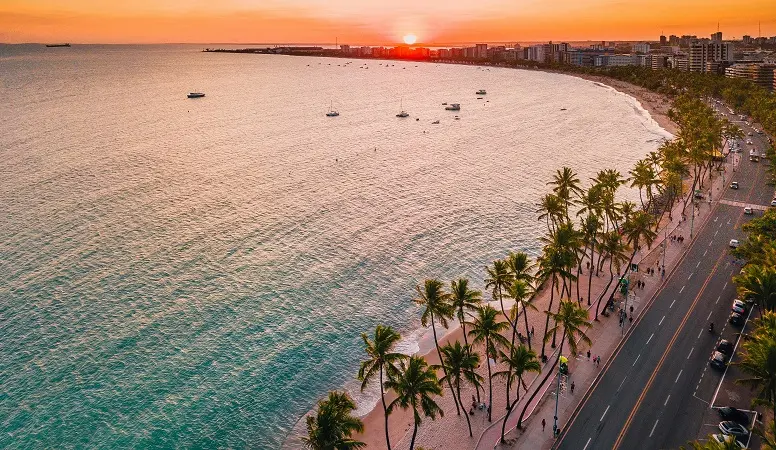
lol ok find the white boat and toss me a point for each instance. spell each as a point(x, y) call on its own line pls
point(453, 107)
point(332, 112)
point(481, 92)
point(403, 113)
point(195, 95)
point(436, 122)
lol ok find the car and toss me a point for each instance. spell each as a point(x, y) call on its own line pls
point(698, 194)
point(748, 210)
point(773, 202)
point(749, 141)
point(725, 347)
point(750, 133)
point(736, 320)
point(734, 185)
point(738, 302)
point(718, 360)
point(732, 428)
point(736, 415)
point(724, 438)
point(763, 155)
point(734, 243)
point(738, 309)
point(759, 131)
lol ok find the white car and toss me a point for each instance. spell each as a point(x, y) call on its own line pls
point(734, 243)
point(749, 141)
point(722, 439)
point(773, 202)
point(748, 211)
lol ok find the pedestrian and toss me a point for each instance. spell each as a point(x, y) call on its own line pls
point(572, 387)
point(663, 274)
point(532, 331)
point(588, 355)
point(599, 360)
point(595, 358)
point(544, 422)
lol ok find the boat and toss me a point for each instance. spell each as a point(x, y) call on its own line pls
point(57, 45)
point(479, 98)
point(332, 112)
point(195, 95)
point(436, 122)
point(403, 113)
point(445, 103)
point(563, 109)
point(453, 107)
point(481, 92)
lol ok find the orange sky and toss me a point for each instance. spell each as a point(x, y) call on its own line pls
point(375, 21)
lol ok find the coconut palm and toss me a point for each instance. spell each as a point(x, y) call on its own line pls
point(711, 444)
point(331, 427)
point(415, 386)
point(759, 363)
point(768, 436)
point(499, 278)
point(616, 253)
point(464, 300)
point(460, 363)
point(486, 329)
point(591, 225)
point(520, 266)
point(382, 361)
point(519, 361)
point(437, 307)
point(551, 209)
point(759, 284)
point(565, 184)
point(522, 293)
point(570, 318)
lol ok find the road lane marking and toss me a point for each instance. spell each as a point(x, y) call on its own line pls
point(604, 415)
point(680, 291)
point(711, 242)
point(717, 301)
point(661, 321)
point(653, 428)
point(666, 402)
point(672, 303)
point(699, 334)
point(723, 287)
point(623, 382)
point(637, 358)
point(688, 355)
point(650, 338)
point(715, 233)
point(690, 275)
point(698, 265)
point(706, 251)
point(588, 443)
point(678, 375)
point(709, 316)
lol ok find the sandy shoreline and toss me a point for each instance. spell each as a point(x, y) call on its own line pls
point(400, 421)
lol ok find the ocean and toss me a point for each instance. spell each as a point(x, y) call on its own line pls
point(196, 273)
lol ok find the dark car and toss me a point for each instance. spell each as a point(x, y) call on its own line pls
point(718, 360)
point(737, 320)
point(724, 346)
point(730, 413)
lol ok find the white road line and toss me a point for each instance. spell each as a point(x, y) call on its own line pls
point(650, 338)
point(637, 358)
point(689, 277)
point(588, 443)
point(607, 410)
point(711, 242)
point(623, 382)
point(661, 321)
point(723, 287)
point(715, 233)
point(672, 303)
point(666, 402)
point(677, 376)
point(704, 253)
point(681, 290)
point(688, 355)
point(709, 316)
point(699, 334)
point(698, 265)
point(653, 427)
point(717, 301)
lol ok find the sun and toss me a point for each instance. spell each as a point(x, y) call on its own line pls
point(410, 39)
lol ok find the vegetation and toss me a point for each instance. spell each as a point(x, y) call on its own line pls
point(415, 386)
point(332, 425)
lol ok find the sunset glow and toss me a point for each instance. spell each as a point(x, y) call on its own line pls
point(375, 22)
point(410, 39)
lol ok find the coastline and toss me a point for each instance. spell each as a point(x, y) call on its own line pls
point(657, 106)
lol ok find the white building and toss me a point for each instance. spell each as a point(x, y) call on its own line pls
point(706, 51)
point(641, 47)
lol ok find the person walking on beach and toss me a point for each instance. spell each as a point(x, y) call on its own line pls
point(572, 387)
point(588, 355)
point(544, 423)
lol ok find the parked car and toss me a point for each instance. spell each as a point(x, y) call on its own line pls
point(749, 141)
point(718, 360)
point(737, 320)
point(743, 305)
point(734, 243)
point(749, 134)
point(773, 202)
point(725, 347)
point(736, 415)
point(748, 211)
point(738, 309)
point(724, 438)
point(763, 155)
point(733, 428)
point(734, 185)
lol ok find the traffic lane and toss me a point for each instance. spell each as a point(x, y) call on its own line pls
point(605, 412)
point(679, 375)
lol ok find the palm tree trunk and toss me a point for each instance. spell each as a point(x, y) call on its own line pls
point(441, 363)
point(510, 407)
point(527, 331)
point(590, 275)
point(385, 409)
point(468, 422)
point(414, 433)
point(468, 349)
point(530, 399)
point(490, 378)
point(603, 293)
point(555, 331)
point(547, 322)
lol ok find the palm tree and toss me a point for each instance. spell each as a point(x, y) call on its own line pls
point(437, 307)
point(460, 363)
point(486, 329)
point(520, 266)
point(522, 293)
point(758, 283)
point(499, 278)
point(565, 184)
point(415, 386)
point(381, 361)
point(768, 436)
point(616, 252)
point(570, 318)
point(759, 362)
point(332, 425)
point(552, 265)
point(519, 361)
point(551, 210)
point(590, 227)
point(464, 299)
point(711, 444)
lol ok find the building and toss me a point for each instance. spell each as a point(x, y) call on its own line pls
point(679, 61)
point(673, 40)
point(641, 47)
point(617, 60)
point(481, 51)
point(747, 40)
point(657, 61)
point(759, 73)
point(704, 51)
point(716, 37)
point(663, 41)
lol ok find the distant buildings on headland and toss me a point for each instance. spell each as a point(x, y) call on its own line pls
point(750, 58)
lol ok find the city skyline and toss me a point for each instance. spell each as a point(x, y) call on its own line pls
point(319, 21)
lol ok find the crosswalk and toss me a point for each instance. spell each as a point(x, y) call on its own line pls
point(744, 205)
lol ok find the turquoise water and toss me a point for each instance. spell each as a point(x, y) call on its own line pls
point(183, 273)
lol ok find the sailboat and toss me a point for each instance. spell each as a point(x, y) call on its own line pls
point(403, 113)
point(332, 112)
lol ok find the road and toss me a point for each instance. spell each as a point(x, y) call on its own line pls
point(656, 390)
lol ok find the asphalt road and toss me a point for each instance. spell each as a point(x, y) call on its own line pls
point(656, 391)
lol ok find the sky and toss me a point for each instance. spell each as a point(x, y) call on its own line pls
point(376, 22)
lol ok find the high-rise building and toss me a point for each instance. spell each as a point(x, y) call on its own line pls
point(673, 40)
point(663, 40)
point(704, 51)
point(716, 37)
point(641, 47)
point(746, 39)
point(482, 51)
point(760, 74)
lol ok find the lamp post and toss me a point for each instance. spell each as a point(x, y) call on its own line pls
point(692, 219)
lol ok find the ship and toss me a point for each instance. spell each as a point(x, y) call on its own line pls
point(195, 95)
point(57, 45)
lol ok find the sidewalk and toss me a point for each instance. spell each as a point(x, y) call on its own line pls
point(606, 335)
